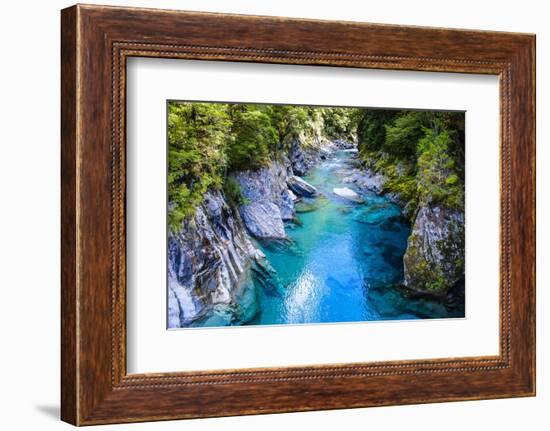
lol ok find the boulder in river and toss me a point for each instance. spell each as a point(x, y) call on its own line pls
point(345, 144)
point(347, 193)
point(301, 187)
point(286, 205)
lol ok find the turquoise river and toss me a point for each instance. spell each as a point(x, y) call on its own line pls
point(345, 260)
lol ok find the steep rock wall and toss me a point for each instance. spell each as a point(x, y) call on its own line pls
point(268, 200)
point(209, 265)
point(434, 260)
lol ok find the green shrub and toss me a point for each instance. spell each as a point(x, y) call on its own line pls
point(233, 194)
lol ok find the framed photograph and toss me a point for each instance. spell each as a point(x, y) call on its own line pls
point(265, 214)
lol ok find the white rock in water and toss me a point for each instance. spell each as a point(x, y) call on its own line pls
point(344, 192)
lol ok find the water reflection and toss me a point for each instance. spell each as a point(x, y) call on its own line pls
point(302, 300)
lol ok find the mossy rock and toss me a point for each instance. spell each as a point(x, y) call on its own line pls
point(434, 260)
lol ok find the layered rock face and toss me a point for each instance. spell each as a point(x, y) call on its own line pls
point(303, 157)
point(270, 194)
point(434, 260)
point(209, 264)
point(263, 220)
point(268, 201)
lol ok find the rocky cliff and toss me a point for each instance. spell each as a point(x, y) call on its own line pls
point(270, 194)
point(434, 260)
point(303, 158)
point(212, 267)
point(304, 153)
point(268, 200)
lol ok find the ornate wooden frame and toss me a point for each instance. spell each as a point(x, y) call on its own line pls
point(95, 43)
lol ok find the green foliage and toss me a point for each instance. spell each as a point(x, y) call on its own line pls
point(254, 138)
point(340, 122)
point(451, 180)
point(437, 180)
point(197, 140)
point(403, 133)
point(289, 120)
point(371, 129)
point(232, 192)
point(208, 140)
point(295, 122)
point(420, 153)
point(403, 185)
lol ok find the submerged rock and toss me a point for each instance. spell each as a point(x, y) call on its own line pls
point(308, 205)
point(377, 213)
point(347, 193)
point(266, 277)
point(434, 260)
point(301, 187)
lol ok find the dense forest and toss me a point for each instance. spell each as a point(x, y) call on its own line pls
point(421, 153)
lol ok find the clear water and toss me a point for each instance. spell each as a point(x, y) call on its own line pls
point(345, 260)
